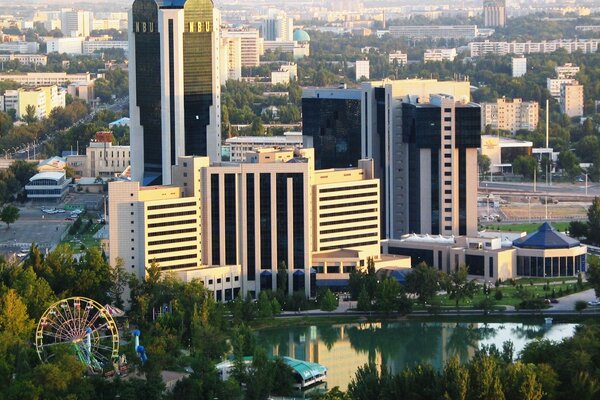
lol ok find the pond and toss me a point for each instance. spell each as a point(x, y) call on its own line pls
point(342, 348)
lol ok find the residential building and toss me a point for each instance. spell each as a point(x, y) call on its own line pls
point(554, 85)
point(479, 49)
point(494, 13)
point(298, 49)
point(519, 66)
point(45, 78)
point(43, 98)
point(174, 85)
point(398, 57)
point(251, 44)
point(241, 146)
point(207, 224)
point(48, 186)
point(438, 55)
point(19, 47)
point(510, 115)
point(434, 31)
point(25, 59)
point(92, 46)
point(362, 70)
point(10, 100)
point(571, 99)
point(231, 59)
point(67, 45)
point(502, 151)
point(82, 90)
point(566, 71)
point(103, 159)
point(75, 23)
point(285, 74)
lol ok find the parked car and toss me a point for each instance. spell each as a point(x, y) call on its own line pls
point(594, 303)
point(69, 219)
point(554, 301)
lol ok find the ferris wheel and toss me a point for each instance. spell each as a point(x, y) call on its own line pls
point(84, 326)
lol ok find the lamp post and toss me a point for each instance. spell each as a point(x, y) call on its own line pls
point(529, 208)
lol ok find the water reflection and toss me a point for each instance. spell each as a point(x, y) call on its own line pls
point(342, 348)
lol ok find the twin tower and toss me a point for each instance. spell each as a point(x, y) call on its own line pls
point(174, 89)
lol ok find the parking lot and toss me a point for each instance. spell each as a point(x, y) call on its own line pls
point(44, 229)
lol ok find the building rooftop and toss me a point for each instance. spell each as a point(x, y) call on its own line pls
point(546, 237)
point(47, 175)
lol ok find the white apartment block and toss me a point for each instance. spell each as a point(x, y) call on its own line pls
point(231, 59)
point(554, 85)
point(241, 146)
point(398, 57)
point(519, 66)
point(25, 59)
point(510, 115)
point(68, 45)
point(10, 100)
point(571, 99)
point(103, 159)
point(566, 71)
point(91, 46)
point(251, 45)
point(285, 74)
point(46, 78)
point(438, 55)
point(362, 69)
point(19, 47)
point(75, 23)
point(435, 31)
point(479, 49)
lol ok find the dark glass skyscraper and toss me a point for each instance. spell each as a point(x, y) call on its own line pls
point(174, 85)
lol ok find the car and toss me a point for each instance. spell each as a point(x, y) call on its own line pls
point(74, 216)
point(59, 210)
point(594, 303)
point(22, 254)
point(76, 211)
point(554, 301)
point(69, 219)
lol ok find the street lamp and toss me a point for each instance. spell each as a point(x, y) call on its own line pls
point(529, 208)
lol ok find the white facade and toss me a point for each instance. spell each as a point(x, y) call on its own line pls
point(438, 55)
point(240, 146)
point(104, 159)
point(91, 46)
point(554, 85)
point(566, 71)
point(398, 57)
point(68, 45)
point(479, 49)
point(435, 31)
point(278, 27)
point(510, 115)
point(45, 78)
point(19, 47)
point(25, 59)
point(519, 66)
point(362, 69)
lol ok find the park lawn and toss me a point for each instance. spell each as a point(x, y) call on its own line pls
point(509, 295)
point(84, 237)
point(559, 226)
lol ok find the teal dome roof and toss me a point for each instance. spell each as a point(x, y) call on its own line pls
point(301, 36)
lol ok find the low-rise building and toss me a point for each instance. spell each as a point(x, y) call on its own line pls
point(46, 78)
point(241, 146)
point(285, 74)
point(479, 49)
point(48, 186)
point(82, 90)
point(67, 45)
point(503, 151)
point(25, 59)
point(91, 46)
point(398, 57)
point(543, 253)
point(439, 55)
point(19, 47)
point(566, 71)
point(103, 159)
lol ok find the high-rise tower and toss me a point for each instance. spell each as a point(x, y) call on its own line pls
point(174, 85)
point(494, 13)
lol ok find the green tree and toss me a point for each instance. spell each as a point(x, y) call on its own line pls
point(484, 163)
point(423, 281)
point(593, 215)
point(568, 161)
point(30, 114)
point(524, 165)
point(458, 285)
point(364, 302)
point(257, 128)
point(366, 384)
point(9, 215)
point(387, 295)
point(328, 301)
point(578, 229)
point(265, 309)
point(6, 123)
point(484, 383)
point(593, 273)
point(455, 380)
point(580, 305)
point(119, 279)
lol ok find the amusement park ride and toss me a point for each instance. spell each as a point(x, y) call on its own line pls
point(88, 328)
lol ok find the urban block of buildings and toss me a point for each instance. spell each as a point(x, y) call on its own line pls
point(398, 57)
point(510, 115)
point(43, 99)
point(479, 49)
point(25, 59)
point(237, 148)
point(434, 31)
point(438, 55)
point(571, 99)
point(494, 13)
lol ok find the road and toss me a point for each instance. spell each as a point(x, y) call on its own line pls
point(568, 302)
point(556, 188)
point(31, 150)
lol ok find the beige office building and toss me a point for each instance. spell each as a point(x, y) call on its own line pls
point(251, 45)
point(45, 78)
point(510, 115)
point(273, 212)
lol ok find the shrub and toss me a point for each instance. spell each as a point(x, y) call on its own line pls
point(498, 295)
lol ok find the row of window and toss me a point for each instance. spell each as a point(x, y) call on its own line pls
point(353, 245)
point(163, 206)
point(349, 221)
point(344, 213)
point(349, 196)
point(339, 189)
point(357, 236)
point(178, 240)
point(173, 214)
point(358, 203)
point(175, 258)
point(351, 228)
point(171, 223)
point(172, 250)
point(174, 232)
